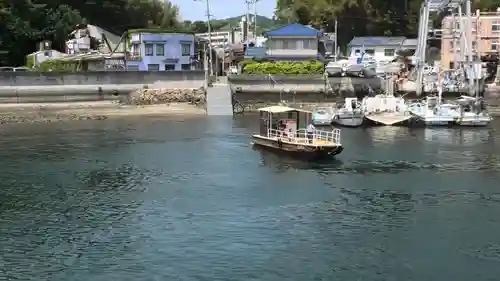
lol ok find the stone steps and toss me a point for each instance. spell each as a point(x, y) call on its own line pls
point(219, 101)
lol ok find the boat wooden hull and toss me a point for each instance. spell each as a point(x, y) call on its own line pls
point(297, 150)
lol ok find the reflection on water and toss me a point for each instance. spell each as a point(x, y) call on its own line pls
point(465, 137)
point(183, 199)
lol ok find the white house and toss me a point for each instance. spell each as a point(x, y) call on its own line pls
point(383, 49)
point(45, 52)
point(224, 38)
point(80, 39)
point(293, 42)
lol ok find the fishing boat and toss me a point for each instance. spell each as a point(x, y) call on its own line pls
point(322, 116)
point(349, 114)
point(336, 68)
point(433, 112)
point(472, 112)
point(361, 66)
point(386, 109)
point(281, 131)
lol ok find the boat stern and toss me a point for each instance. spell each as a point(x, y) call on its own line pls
point(321, 122)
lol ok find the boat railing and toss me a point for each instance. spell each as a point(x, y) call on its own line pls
point(301, 136)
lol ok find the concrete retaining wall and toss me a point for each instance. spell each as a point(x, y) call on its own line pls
point(301, 83)
point(34, 87)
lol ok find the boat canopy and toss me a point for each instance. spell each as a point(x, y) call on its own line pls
point(281, 109)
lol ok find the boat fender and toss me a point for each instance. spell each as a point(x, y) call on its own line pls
point(336, 117)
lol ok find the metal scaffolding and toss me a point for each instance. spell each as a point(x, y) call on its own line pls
point(461, 34)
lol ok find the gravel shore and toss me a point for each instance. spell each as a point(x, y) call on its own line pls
point(143, 102)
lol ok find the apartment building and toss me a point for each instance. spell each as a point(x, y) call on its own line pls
point(485, 34)
point(161, 51)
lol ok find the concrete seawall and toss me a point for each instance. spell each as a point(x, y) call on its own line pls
point(36, 87)
point(301, 84)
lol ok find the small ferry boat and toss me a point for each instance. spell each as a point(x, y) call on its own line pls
point(280, 130)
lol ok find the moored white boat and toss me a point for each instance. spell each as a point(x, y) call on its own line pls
point(386, 109)
point(432, 112)
point(336, 68)
point(322, 116)
point(349, 114)
point(472, 112)
point(361, 66)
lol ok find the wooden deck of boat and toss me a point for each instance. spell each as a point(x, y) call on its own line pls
point(388, 119)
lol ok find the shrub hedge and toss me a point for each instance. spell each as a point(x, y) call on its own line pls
point(282, 67)
point(30, 61)
point(58, 66)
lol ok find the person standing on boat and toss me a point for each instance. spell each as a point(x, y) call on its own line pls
point(310, 132)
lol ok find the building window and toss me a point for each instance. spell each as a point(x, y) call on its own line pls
point(289, 44)
point(494, 45)
point(370, 52)
point(169, 67)
point(307, 44)
point(136, 50)
point(495, 26)
point(474, 45)
point(277, 44)
point(357, 52)
point(186, 49)
point(133, 68)
point(148, 49)
point(160, 50)
point(389, 52)
point(153, 67)
point(270, 44)
point(452, 45)
point(185, 66)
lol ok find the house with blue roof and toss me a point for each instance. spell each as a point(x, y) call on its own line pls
point(382, 49)
point(293, 42)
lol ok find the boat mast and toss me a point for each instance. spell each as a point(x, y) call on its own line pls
point(440, 88)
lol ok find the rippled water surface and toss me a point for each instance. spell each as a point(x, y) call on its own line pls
point(191, 200)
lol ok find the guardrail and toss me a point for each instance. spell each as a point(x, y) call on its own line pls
point(301, 136)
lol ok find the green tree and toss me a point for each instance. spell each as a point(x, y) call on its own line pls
point(23, 23)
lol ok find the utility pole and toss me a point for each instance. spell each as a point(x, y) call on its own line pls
point(248, 2)
point(335, 46)
point(255, 18)
point(209, 37)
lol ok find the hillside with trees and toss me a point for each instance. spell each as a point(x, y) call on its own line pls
point(361, 17)
point(23, 23)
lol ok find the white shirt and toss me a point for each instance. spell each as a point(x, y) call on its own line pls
point(310, 128)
